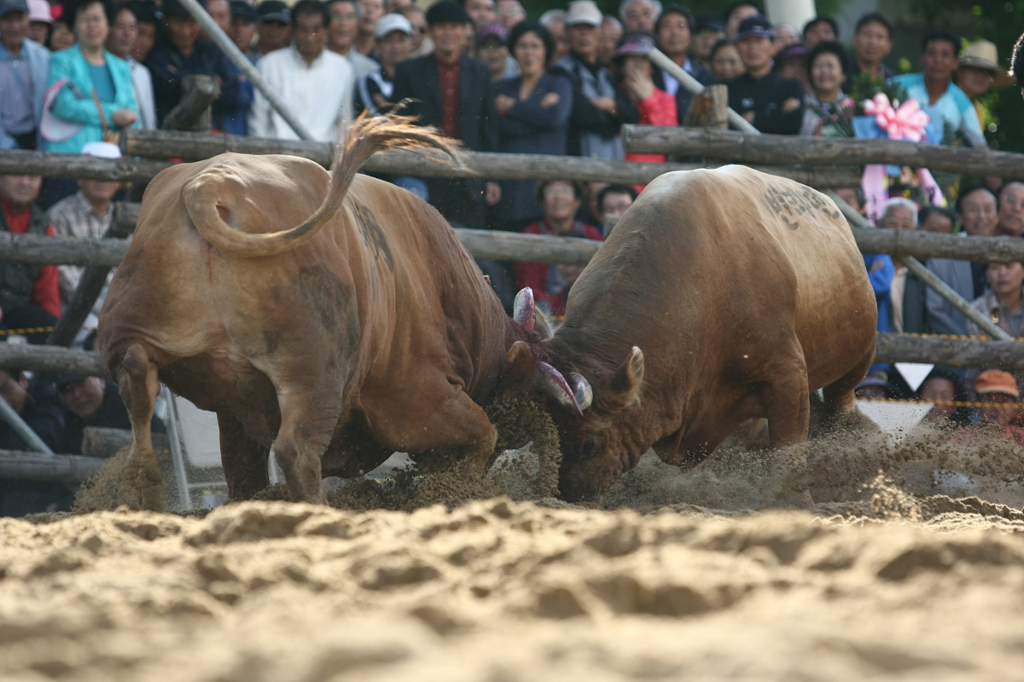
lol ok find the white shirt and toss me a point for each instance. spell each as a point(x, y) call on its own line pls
point(142, 84)
point(320, 95)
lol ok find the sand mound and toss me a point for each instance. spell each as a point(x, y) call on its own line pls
point(507, 591)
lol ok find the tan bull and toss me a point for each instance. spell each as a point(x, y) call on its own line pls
point(363, 330)
point(720, 296)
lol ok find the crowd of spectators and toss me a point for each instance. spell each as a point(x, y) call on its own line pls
point(486, 74)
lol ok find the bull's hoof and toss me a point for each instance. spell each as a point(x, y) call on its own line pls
point(142, 488)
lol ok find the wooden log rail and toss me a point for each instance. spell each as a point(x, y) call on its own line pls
point(949, 352)
point(519, 247)
point(34, 466)
point(163, 144)
point(820, 151)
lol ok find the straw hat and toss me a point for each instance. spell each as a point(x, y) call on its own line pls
point(982, 54)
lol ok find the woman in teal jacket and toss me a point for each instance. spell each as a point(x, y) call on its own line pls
point(90, 69)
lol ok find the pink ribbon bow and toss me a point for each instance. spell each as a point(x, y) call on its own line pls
point(899, 121)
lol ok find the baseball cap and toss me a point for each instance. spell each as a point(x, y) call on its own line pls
point(492, 31)
point(583, 12)
point(709, 22)
point(755, 26)
point(102, 150)
point(7, 6)
point(389, 23)
point(240, 8)
point(63, 380)
point(996, 381)
point(790, 52)
point(39, 10)
point(447, 13)
point(634, 44)
point(273, 10)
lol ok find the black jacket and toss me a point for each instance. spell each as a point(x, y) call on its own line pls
point(684, 96)
point(459, 200)
point(764, 96)
point(586, 118)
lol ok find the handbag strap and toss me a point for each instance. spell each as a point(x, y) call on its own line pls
point(103, 117)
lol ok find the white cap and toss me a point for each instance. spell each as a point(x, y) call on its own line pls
point(102, 150)
point(390, 23)
point(583, 12)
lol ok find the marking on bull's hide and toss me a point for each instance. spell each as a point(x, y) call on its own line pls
point(373, 235)
point(333, 303)
point(790, 205)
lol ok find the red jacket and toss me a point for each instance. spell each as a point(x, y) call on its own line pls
point(657, 110)
point(535, 275)
point(44, 293)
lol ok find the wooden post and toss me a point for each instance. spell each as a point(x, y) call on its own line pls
point(709, 109)
point(33, 466)
point(193, 111)
point(820, 151)
point(51, 360)
point(78, 167)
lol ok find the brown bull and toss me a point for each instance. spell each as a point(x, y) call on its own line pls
point(744, 291)
point(363, 330)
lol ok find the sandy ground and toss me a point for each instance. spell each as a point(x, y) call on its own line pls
point(696, 575)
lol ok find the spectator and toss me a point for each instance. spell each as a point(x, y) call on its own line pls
point(40, 22)
point(638, 16)
point(341, 33)
point(560, 200)
point(453, 93)
point(786, 35)
point(37, 404)
point(119, 42)
point(656, 106)
point(492, 49)
point(316, 82)
point(533, 112)
point(725, 61)
point(979, 71)
point(708, 29)
point(599, 108)
point(480, 11)
point(881, 272)
point(791, 63)
point(608, 40)
point(146, 29)
point(907, 294)
point(872, 42)
point(772, 103)
point(180, 52)
point(828, 66)
point(1011, 209)
point(63, 36)
point(736, 13)
point(854, 196)
point(1003, 303)
point(936, 219)
point(945, 385)
point(97, 81)
point(977, 207)
point(274, 26)
point(554, 21)
point(421, 44)
point(23, 78)
point(820, 29)
point(91, 401)
point(243, 28)
point(370, 12)
point(396, 6)
point(998, 391)
point(394, 42)
point(509, 13)
point(934, 87)
point(673, 34)
point(86, 213)
point(612, 202)
point(220, 12)
point(29, 297)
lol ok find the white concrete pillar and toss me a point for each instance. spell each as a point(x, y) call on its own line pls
point(796, 12)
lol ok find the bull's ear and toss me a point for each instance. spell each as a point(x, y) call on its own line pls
point(625, 382)
point(519, 364)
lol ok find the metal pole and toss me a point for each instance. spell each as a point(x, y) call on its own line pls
point(235, 55)
point(929, 278)
point(23, 430)
point(693, 85)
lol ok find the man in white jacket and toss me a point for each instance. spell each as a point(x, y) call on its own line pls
point(315, 82)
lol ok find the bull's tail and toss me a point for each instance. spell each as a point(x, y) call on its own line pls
point(367, 136)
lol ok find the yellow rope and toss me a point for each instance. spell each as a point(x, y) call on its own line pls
point(944, 403)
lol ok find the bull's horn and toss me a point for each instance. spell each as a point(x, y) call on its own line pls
point(549, 380)
point(524, 310)
point(581, 389)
